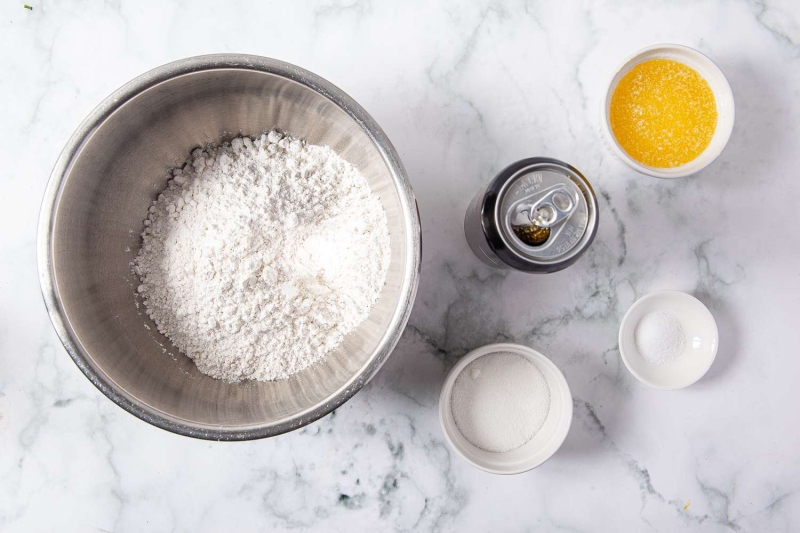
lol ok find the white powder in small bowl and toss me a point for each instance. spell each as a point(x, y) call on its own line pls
point(500, 401)
point(659, 337)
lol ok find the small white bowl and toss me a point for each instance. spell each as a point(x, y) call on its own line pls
point(722, 93)
point(702, 340)
point(534, 452)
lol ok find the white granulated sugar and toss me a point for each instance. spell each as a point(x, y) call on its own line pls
point(260, 256)
point(659, 337)
point(500, 401)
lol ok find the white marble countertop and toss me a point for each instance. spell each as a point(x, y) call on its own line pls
point(461, 91)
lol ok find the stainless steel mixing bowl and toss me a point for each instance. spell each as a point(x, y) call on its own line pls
point(116, 163)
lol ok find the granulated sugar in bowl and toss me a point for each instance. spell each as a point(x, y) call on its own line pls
point(505, 408)
point(500, 401)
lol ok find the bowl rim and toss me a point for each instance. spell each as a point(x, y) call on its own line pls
point(446, 394)
point(625, 325)
point(51, 199)
point(701, 161)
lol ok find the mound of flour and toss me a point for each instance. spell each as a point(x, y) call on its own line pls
point(260, 256)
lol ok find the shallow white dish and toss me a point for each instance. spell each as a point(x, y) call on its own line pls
point(702, 340)
point(722, 94)
point(534, 452)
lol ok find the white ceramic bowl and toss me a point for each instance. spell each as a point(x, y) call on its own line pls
point(722, 93)
point(702, 340)
point(534, 452)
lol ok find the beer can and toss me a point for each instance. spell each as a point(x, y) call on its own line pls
point(537, 215)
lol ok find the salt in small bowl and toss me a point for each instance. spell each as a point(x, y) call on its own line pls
point(700, 349)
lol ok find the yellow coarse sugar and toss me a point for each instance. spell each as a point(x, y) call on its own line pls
point(663, 113)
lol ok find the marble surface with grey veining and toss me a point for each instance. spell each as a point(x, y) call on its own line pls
point(461, 89)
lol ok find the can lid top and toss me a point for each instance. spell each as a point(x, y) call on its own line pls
point(544, 212)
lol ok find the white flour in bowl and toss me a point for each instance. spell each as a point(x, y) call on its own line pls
point(260, 256)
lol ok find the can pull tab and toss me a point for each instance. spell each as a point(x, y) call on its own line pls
point(554, 207)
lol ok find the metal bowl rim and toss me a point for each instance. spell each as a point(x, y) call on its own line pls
point(118, 99)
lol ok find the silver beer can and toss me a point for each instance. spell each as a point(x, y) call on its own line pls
point(537, 215)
